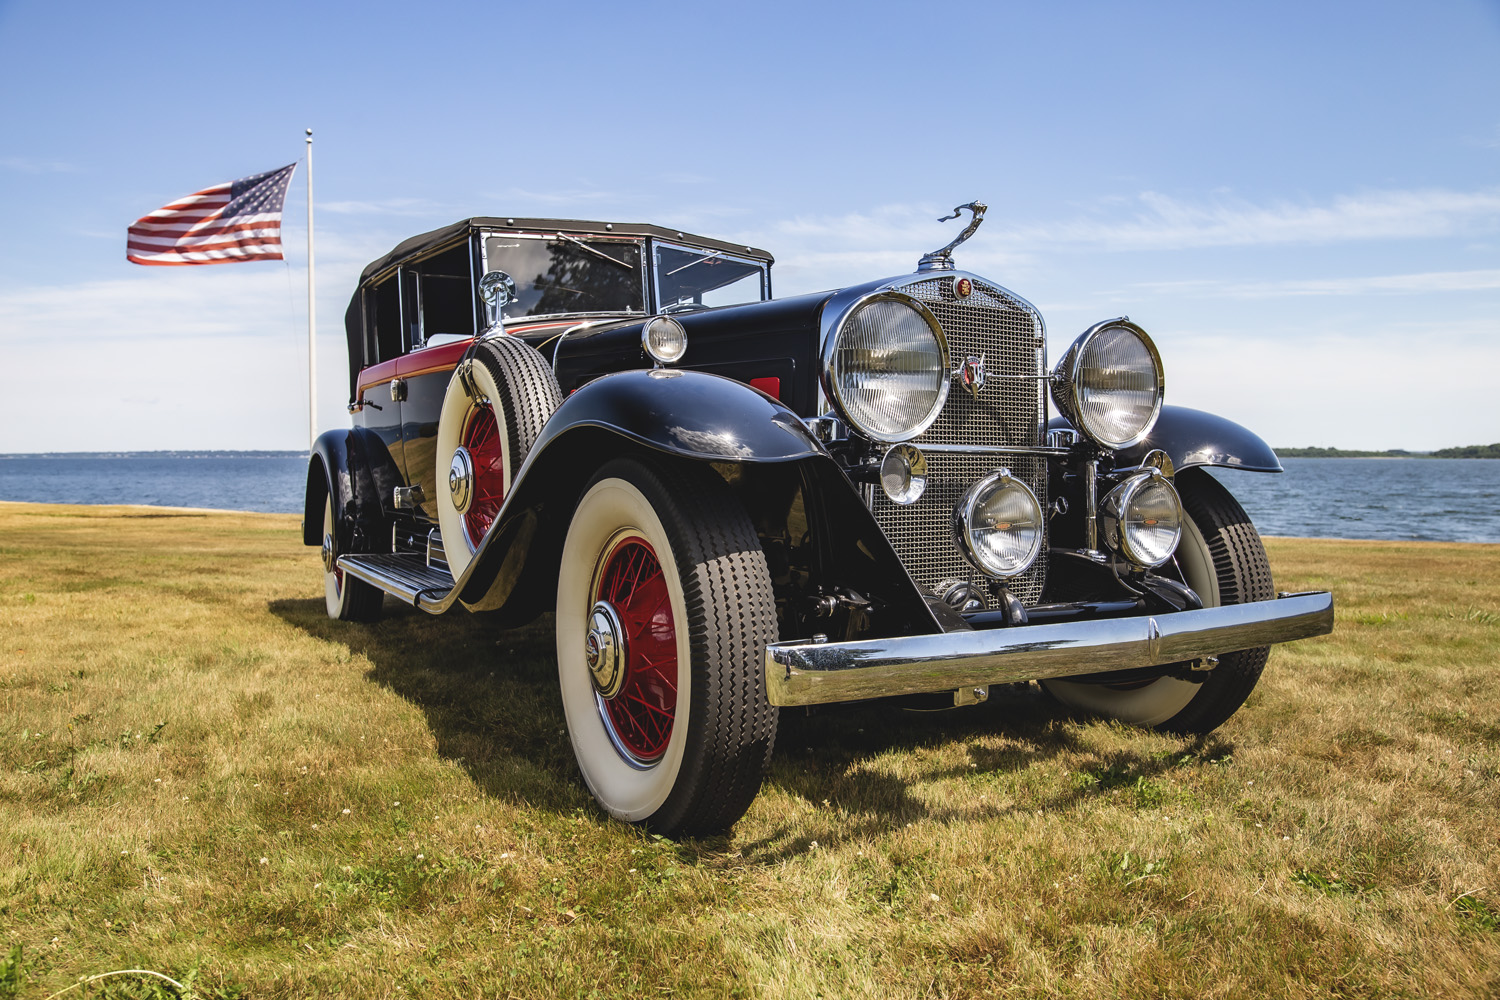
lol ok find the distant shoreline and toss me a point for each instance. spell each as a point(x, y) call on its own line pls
point(1468, 451)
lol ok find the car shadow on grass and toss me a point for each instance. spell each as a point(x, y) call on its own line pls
point(490, 699)
point(489, 694)
point(860, 766)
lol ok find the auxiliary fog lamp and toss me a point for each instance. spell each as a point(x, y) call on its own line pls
point(1142, 519)
point(998, 525)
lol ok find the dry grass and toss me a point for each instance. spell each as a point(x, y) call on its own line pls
point(199, 774)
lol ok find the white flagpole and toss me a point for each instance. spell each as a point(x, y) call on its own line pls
point(312, 313)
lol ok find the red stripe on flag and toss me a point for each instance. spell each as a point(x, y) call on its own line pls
point(193, 229)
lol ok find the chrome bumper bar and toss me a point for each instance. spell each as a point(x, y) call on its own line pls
point(799, 673)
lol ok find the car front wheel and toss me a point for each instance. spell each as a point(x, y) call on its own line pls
point(664, 608)
point(1221, 557)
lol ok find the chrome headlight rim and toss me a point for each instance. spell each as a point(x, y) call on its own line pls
point(963, 515)
point(830, 353)
point(1065, 383)
point(1116, 504)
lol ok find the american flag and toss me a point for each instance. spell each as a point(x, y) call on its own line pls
point(239, 220)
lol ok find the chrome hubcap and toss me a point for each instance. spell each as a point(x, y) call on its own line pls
point(328, 557)
point(604, 649)
point(461, 479)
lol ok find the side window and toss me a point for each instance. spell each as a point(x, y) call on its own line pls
point(382, 322)
point(439, 297)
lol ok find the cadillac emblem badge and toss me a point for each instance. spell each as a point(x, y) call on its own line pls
point(970, 375)
point(962, 287)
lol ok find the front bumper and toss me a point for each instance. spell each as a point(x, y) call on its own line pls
point(799, 673)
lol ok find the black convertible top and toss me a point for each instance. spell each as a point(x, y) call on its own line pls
point(439, 239)
point(416, 246)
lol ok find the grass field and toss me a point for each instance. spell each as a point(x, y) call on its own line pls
point(201, 775)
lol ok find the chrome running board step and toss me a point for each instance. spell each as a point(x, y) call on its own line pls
point(404, 576)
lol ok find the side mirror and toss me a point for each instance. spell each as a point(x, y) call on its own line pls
point(497, 290)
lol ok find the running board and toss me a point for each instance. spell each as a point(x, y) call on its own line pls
point(406, 577)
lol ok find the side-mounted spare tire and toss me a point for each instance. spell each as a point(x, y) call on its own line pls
point(1221, 557)
point(495, 407)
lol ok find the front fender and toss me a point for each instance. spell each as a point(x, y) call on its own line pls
point(694, 415)
point(689, 415)
point(1193, 437)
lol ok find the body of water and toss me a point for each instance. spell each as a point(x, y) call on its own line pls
point(1436, 499)
point(270, 484)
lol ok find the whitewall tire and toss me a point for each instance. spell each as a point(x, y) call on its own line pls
point(664, 607)
point(1221, 557)
point(488, 423)
point(346, 598)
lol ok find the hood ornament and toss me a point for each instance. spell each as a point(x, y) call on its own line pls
point(942, 260)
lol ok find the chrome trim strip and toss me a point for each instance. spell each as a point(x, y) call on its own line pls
point(990, 449)
point(799, 673)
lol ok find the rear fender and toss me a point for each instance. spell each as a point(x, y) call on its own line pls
point(353, 468)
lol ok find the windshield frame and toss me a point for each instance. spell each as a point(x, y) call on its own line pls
point(485, 235)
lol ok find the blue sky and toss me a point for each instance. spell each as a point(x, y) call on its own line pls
point(1301, 201)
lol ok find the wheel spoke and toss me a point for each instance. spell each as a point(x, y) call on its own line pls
point(644, 710)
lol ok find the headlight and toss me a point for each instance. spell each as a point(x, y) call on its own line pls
point(999, 525)
point(1143, 519)
point(664, 340)
point(1110, 383)
point(886, 367)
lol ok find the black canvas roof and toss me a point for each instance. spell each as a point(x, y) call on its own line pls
point(418, 245)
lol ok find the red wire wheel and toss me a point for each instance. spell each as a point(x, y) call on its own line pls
point(481, 437)
point(640, 715)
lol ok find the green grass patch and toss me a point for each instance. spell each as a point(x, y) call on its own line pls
point(201, 775)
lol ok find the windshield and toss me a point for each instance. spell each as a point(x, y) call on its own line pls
point(688, 277)
point(562, 273)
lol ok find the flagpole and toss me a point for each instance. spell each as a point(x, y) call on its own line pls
point(312, 312)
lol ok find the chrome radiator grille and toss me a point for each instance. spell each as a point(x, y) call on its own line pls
point(1009, 412)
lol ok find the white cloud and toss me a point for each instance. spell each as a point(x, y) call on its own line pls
point(1377, 388)
point(1161, 222)
point(32, 165)
point(388, 206)
point(565, 197)
point(1390, 284)
point(819, 252)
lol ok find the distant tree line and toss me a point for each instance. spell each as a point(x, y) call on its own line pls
point(1470, 451)
point(1467, 451)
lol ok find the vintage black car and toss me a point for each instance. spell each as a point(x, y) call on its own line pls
point(736, 503)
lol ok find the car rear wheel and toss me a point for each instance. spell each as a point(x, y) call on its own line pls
point(664, 609)
point(347, 599)
point(1221, 557)
point(488, 423)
